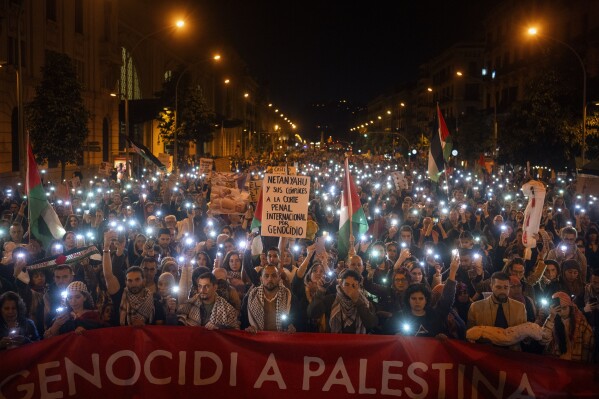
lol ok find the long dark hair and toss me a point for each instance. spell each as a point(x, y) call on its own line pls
point(560, 331)
point(417, 288)
point(227, 260)
point(21, 308)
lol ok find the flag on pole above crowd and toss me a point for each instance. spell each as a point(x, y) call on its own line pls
point(440, 148)
point(257, 220)
point(145, 153)
point(352, 220)
point(43, 220)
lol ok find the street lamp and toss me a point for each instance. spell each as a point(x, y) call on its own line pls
point(533, 31)
point(215, 58)
point(127, 92)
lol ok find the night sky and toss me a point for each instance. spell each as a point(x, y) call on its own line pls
point(308, 51)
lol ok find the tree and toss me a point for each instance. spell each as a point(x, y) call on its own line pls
point(196, 120)
point(474, 136)
point(544, 128)
point(57, 118)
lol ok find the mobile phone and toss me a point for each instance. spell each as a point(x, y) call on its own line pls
point(592, 301)
point(555, 302)
point(320, 241)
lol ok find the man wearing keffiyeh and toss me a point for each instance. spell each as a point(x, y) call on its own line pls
point(348, 311)
point(267, 307)
point(207, 308)
point(137, 306)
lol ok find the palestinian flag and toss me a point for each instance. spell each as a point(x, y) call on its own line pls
point(43, 221)
point(257, 220)
point(145, 153)
point(352, 214)
point(440, 148)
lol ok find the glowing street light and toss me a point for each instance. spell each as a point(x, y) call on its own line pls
point(178, 25)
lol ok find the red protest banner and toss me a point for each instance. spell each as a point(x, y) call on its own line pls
point(156, 362)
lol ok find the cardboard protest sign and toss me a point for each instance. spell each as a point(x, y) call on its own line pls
point(104, 169)
point(225, 196)
point(255, 187)
point(166, 160)
point(401, 183)
point(285, 205)
point(205, 166)
point(281, 170)
point(222, 165)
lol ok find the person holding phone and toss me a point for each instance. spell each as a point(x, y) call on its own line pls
point(78, 314)
point(567, 250)
point(566, 332)
point(591, 305)
point(15, 328)
point(419, 317)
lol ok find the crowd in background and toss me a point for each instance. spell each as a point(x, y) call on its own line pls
point(436, 261)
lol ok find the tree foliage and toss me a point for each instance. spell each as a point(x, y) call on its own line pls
point(544, 128)
point(57, 117)
point(196, 118)
point(474, 135)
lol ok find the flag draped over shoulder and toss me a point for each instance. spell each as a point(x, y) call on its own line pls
point(43, 220)
point(145, 153)
point(351, 213)
point(440, 147)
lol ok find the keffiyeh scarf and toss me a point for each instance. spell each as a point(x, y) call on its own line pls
point(256, 306)
point(223, 315)
point(132, 305)
point(344, 313)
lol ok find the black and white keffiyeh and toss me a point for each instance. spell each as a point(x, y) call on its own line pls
point(256, 306)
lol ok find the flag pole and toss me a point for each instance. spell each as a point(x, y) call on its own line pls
point(350, 210)
point(27, 185)
point(442, 150)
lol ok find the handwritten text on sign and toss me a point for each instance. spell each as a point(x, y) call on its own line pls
point(285, 205)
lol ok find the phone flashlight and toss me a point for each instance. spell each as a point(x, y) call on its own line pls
point(544, 302)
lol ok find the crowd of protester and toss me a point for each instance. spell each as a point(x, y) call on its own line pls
point(437, 259)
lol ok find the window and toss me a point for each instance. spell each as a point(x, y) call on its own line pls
point(79, 16)
point(51, 10)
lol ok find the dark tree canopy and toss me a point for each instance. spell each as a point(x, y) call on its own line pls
point(196, 119)
point(57, 117)
point(544, 128)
